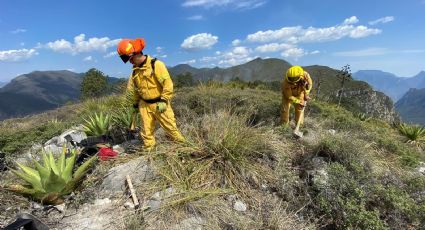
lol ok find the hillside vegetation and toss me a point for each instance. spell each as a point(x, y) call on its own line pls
point(348, 172)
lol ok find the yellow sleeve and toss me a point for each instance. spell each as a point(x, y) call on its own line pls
point(309, 85)
point(164, 79)
point(132, 91)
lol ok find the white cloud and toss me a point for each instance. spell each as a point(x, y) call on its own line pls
point(363, 52)
point(236, 42)
point(208, 59)
point(273, 47)
point(236, 56)
point(110, 54)
point(17, 31)
point(17, 55)
point(22, 43)
point(382, 20)
point(315, 52)
point(413, 51)
point(350, 20)
point(163, 56)
point(298, 34)
point(88, 58)
point(294, 53)
point(233, 4)
point(240, 50)
point(60, 46)
point(81, 45)
point(159, 49)
point(282, 34)
point(193, 61)
point(199, 42)
point(234, 61)
point(363, 31)
point(195, 17)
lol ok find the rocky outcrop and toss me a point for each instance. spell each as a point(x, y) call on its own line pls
point(372, 103)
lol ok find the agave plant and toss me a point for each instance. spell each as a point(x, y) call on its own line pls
point(50, 181)
point(97, 124)
point(415, 134)
point(124, 118)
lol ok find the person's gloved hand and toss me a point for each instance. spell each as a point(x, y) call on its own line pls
point(161, 106)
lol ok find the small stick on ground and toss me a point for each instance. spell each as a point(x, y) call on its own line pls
point(133, 193)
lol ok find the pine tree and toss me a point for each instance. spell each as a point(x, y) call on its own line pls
point(94, 84)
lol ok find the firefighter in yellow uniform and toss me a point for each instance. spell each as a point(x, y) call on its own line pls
point(152, 90)
point(296, 88)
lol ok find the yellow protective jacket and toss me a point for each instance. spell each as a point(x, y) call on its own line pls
point(147, 84)
point(295, 92)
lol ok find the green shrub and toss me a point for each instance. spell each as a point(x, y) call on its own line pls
point(344, 201)
point(351, 153)
point(408, 156)
point(262, 105)
point(221, 153)
point(359, 194)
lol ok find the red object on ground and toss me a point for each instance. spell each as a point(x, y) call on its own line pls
point(106, 154)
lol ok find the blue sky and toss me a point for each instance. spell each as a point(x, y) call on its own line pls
point(78, 35)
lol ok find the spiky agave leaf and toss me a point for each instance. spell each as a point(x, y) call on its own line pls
point(414, 133)
point(69, 166)
point(78, 175)
point(61, 160)
point(54, 183)
point(97, 124)
point(123, 117)
point(29, 171)
point(34, 181)
point(43, 171)
point(52, 163)
point(46, 160)
point(21, 189)
point(82, 170)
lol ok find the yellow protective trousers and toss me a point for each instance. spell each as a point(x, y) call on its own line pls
point(286, 106)
point(149, 116)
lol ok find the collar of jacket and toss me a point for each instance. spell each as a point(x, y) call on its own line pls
point(144, 64)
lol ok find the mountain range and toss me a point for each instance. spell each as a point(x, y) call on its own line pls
point(389, 83)
point(2, 84)
point(411, 106)
point(43, 90)
point(38, 91)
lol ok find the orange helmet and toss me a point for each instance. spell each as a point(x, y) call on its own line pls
point(127, 48)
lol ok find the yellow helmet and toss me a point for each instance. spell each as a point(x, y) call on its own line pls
point(294, 73)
